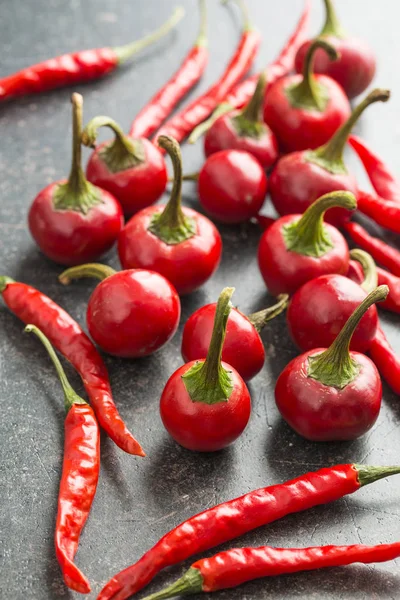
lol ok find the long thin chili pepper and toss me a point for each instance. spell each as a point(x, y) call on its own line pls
point(234, 567)
point(356, 273)
point(384, 212)
point(183, 123)
point(381, 252)
point(80, 474)
point(31, 306)
point(151, 117)
point(383, 181)
point(236, 517)
point(241, 94)
point(78, 67)
point(386, 360)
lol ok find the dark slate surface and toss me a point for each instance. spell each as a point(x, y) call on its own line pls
point(139, 500)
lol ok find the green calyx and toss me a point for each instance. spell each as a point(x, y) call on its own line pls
point(190, 583)
point(367, 474)
point(171, 225)
point(249, 123)
point(4, 281)
point(119, 155)
point(77, 194)
point(332, 24)
point(96, 270)
point(335, 367)
point(309, 94)
point(330, 155)
point(71, 397)
point(309, 236)
point(369, 268)
point(207, 381)
point(262, 317)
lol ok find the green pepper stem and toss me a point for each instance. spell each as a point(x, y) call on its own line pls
point(332, 24)
point(330, 155)
point(96, 270)
point(369, 268)
point(260, 319)
point(368, 474)
point(309, 235)
point(125, 52)
point(207, 381)
point(201, 129)
point(4, 281)
point(252, 111)
point(190, 583)
point(247, 26)
point(71, 397)
point(202, 36)
point(335, 367)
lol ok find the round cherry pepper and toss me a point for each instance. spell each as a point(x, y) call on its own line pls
point(232, 186)
point(299, 178)
point(205, 404)
point(355, 68)
point(133, 170)
point(304, 111)
point(297, 248)
point(177, 242)
point(245, 130)
point(73, 221)
point(130, 313)
point(320, 308)
point(243, 347)
point(332, 394)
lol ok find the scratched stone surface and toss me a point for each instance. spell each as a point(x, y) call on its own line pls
point(138, 500)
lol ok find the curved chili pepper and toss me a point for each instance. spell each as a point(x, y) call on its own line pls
point(384, 212)
point(236, 517)
point(183, 123)
point(80, 474)
point(383, 181)
point(386, 360)
point(164, 101)
point(234, 567)
point(31, 306)
point(77, 67)
point(381, 252)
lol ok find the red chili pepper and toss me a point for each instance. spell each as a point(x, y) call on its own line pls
point(304, 111)
point(298, 248)
point(71, 69)
point(151, 117)
point(205, 405)
point(381, 252)
point(177, 242)
point(264, 222)
point(73, 221)
point(79, 477)
point(232, 186)
point(243, 347)
point(384, 212)
point(232, 519)
point(31, 306)
point(332, 394)
point(383, 181)
point(131, 313)
point(183, 123)
point(356, 66)
point(386, 360)
point(299, 178)
point(356, 273)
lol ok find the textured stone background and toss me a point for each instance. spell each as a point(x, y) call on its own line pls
point(139, 500)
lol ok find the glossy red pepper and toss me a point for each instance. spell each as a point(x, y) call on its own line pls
point(384, 212)
point(78, 67)
point(383, 181)
point(133, 170)
point(300, 178)
point(298, 248)
point(177, 242)
point(73, 221)
point(355, 68)
point(304, 111)
point(183, 123)
point(131, 313)
point(31, 306)
point(386, 360)
point(205, 405)
point(232, 186)
point(332, 394)
point(80, 474)
point(154, 113)
point(234, 518)
point(381, 252)
point(243, 347)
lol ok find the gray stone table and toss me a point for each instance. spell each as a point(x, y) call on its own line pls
point(138, 500)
